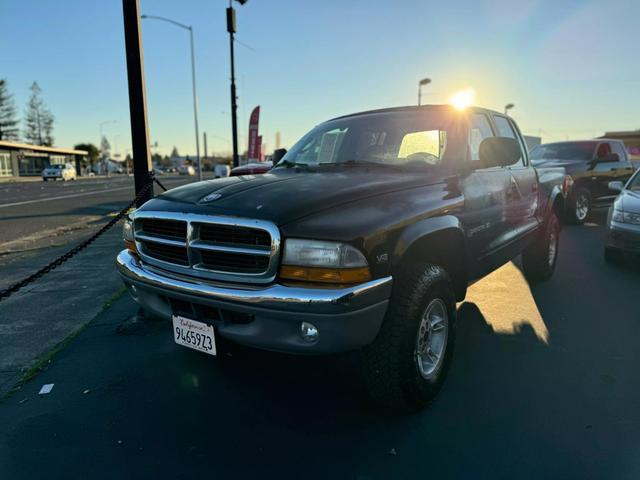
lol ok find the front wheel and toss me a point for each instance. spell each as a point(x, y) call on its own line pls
point(580, 206)
point(405, 367)
point(539, 259)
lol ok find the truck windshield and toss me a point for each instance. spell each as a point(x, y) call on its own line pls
point(564, 151)
point(400, 138)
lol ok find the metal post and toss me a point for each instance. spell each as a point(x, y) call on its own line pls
point(195, 103)
point(231, 28)
point(137, 99)
point(204, 134)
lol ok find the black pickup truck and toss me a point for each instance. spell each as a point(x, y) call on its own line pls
point(362, 238)
point(590, 165)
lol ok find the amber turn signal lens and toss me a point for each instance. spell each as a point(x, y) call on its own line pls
point(131, 246)
point(325, 275)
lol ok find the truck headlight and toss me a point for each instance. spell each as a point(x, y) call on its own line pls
point(127, 235)
point(625, 217)
point(325, 262)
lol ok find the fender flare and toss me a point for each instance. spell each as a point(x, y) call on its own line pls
point(427, 228)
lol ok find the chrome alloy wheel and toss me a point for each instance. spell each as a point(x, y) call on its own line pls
point(582, 207)
point(431, 340)
point(553, 245)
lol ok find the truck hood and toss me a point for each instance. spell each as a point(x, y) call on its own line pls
point(284, 195)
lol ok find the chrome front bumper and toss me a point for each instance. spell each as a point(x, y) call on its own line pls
point(347, 318)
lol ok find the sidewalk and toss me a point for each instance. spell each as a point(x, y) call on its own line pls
point(41, 315)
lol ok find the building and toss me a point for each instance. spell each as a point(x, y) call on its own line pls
point(21, 159)
point(631, 140)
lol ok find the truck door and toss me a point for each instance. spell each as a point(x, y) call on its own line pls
point(522, 195)
point(484, 189)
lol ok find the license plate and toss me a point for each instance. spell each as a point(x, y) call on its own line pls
point(192, 334)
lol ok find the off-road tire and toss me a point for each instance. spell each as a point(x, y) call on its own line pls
point(572, 215)
point(536, 259)
point(388, 366)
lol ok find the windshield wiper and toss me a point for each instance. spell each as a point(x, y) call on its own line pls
point(289, 164)
point(356, 163)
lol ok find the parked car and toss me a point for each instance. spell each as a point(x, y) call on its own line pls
point(186, 170)
point(62, 171)
point(221, 170)
point(591, 164)
point(251, 169)
point(623, 221)
point(362, 239)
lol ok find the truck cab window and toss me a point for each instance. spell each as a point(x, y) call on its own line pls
point(480, 129)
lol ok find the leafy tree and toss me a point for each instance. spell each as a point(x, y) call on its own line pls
point(38, 120)
point(105, 148)
point(9, 130)
point(93, 154)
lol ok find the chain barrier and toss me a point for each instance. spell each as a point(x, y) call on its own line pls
point(7, 292)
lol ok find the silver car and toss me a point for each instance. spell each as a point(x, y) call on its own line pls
point(623, 222)
point(63, 171)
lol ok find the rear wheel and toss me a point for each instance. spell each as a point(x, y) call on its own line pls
point(405, 367)
point(580, 206)
point(539, 259)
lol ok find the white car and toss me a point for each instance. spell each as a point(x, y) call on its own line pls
point(221, 171)
point(186, 170)
point(64, 171)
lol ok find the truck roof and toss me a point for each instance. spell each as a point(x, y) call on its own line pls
point(415, 108)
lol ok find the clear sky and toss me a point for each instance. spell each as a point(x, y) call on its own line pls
point(572, 68)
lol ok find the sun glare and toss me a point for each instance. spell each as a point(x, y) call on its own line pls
point(463, 99)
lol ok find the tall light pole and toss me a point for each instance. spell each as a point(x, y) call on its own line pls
point(421, 83)
point(508, 107)
point(193, 81)
point(231, 28)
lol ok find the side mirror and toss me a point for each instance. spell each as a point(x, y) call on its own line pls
point(278, 154)
point(499, 152)
point(616, 186)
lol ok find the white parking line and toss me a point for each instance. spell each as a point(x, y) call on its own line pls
point(73, 195)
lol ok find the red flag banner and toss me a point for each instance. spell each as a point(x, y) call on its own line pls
point(253, 147)
point(260, 157)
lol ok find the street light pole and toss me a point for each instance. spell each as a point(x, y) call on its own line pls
point(508, 107)
point(231, 28)
point(193, 82)
point(424, 81)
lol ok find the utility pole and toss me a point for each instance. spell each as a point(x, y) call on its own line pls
point(137, 99)
point(231, 28)
point(205, 144)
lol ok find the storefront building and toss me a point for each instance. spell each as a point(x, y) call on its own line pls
point(21, 159)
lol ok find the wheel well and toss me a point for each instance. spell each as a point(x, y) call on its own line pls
point(558, 206)
point(446, 249)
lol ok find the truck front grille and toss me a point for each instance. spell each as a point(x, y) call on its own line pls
point(164, 228)
point(166, 253)
point(233, 235)
point(213, 247)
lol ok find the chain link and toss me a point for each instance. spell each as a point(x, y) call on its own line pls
point(7, 292)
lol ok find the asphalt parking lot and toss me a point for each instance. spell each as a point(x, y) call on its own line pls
point(544, 384)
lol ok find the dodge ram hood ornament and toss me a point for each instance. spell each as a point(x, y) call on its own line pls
point(210, 198)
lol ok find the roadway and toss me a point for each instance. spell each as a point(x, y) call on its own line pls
point(34, 214)
point(544, 384)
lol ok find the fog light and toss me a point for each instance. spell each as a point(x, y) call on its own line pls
point(309, 331)
point(133, 291)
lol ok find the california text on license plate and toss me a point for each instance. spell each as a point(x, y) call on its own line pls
point(192, 334)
